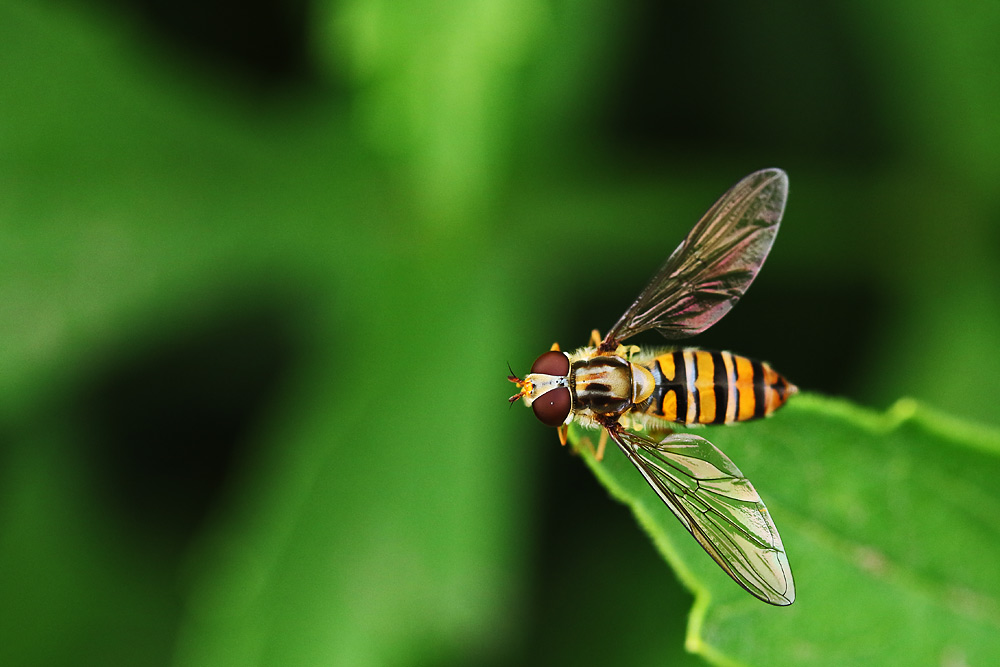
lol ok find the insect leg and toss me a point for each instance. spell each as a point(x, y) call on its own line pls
point(601, 442)
point(555, 348)
point(595, 337)
point(587, 445)
point(659, 433)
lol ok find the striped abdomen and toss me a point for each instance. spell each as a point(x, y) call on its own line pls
point(703, 387)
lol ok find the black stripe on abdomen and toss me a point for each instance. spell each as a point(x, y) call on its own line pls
point(759, 402)
point(720, 385)
point(681, 387)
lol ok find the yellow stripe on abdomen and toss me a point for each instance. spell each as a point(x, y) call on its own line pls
point(744, 388)
point(669, 408)
point(704, 383)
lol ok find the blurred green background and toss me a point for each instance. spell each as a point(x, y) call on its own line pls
point(262, 268)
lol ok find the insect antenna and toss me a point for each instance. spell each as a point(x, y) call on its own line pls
point(512, 377)
point(520, 385)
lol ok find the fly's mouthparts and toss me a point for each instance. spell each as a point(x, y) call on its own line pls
point(523, 385)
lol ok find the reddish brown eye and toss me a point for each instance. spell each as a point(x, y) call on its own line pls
point(552, 363)
point(552, 407)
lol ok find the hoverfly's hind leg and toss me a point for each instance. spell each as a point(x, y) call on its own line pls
point(595, 338)
point(659, 433)
point(655, 430)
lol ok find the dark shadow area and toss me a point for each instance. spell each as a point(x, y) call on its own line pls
point(266, 42)
point(590, 563)
point(714, 77)
point(168, 422)
point(819, 335)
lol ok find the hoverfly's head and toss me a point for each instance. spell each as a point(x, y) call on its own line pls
point(546, 388)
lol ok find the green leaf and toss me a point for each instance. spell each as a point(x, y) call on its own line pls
point(891, 523)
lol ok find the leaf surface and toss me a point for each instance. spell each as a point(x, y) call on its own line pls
point(891, 524)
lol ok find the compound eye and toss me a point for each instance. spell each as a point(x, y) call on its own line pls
point(552, 363)
point(552, 407)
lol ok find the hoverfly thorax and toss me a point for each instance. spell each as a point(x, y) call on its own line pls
point(609, 385)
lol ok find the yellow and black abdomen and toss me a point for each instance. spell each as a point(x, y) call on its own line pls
point(703, 387)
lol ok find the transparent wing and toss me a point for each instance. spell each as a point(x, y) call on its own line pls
point(718, 506)
point(711, 269)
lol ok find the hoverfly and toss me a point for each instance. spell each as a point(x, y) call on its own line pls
point(633, 394)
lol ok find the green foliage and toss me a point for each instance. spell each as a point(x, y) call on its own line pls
point(891, 527)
